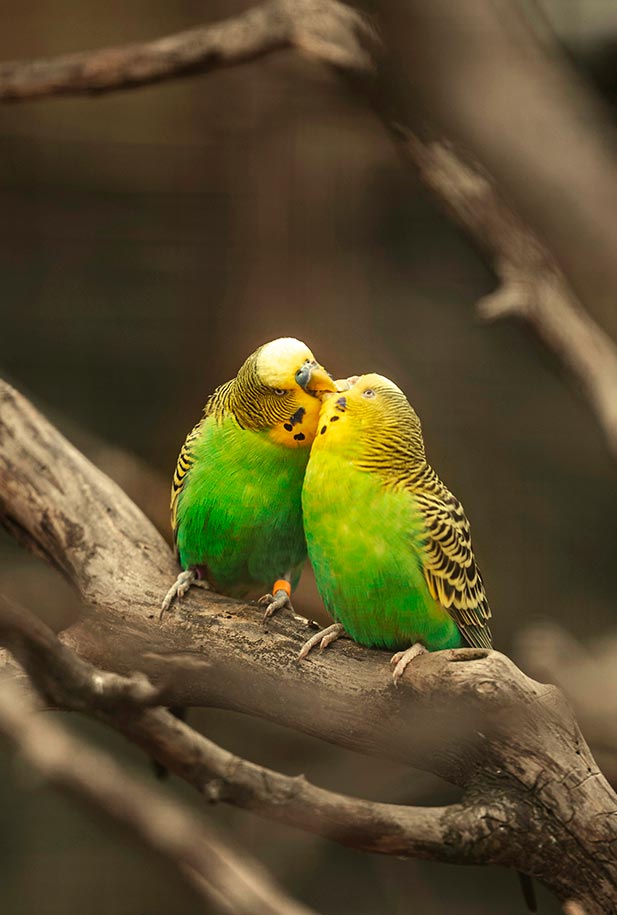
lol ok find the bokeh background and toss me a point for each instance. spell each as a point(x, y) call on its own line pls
point(149, 241)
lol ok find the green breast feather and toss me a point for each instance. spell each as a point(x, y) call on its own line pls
point(386, 559)
point(237, 507)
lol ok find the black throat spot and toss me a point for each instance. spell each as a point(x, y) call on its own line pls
point(297, 417)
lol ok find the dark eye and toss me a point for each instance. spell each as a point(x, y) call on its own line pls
point(369, 393)
point(280, 392)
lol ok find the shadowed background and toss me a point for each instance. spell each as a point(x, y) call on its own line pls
point(149, 241)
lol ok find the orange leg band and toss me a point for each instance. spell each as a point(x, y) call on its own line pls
point(282, 585)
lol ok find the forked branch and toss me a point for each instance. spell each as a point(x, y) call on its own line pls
point(68, 682)
point(469, 716)
point(531, 288)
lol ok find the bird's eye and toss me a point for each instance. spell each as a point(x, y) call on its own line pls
point(280, 392)
point(369, 393)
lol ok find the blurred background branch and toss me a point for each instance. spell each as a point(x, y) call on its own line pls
point(325, 29)
point(550, 270)
point(532, 287)
point(221, 878)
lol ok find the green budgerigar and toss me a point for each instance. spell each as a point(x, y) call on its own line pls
point(236, 492)
point(389, 543)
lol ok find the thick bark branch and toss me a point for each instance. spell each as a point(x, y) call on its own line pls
point(532, 286)
point(214, 872)
point(469, 716)
point(70, 683)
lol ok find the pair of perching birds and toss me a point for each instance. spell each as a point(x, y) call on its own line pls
point(285, 461)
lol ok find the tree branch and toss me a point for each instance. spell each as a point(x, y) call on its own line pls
point(213, 871)
point(469, 716)
point(324, 29)
point(533, 288)
point(57, 672)
point(70, 683)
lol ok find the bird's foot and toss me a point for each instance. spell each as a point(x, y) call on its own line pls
point(185, 580)
point(280, 599)
point(323, 638)
point(401, 659)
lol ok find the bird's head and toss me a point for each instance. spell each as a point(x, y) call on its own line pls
point(369, 412)
point(287, 364)
point(278, 390)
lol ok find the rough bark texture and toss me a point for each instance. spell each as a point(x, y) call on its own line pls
point(537, 798)
point(66, 681)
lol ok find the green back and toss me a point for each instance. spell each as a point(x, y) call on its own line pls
point(239, 509)
point(364, 542)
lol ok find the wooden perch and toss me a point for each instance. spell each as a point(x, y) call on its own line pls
point(532, 287)
point(533, 797)
point(68, 682)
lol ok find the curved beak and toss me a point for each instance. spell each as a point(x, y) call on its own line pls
point(314, 379)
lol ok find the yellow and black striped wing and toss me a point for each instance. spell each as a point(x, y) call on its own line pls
point(183, 465)
point(449, 566)
point(217, 406)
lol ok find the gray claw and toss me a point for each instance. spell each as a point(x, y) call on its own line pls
point(323, 638)
point(278, 601)
point(401, 659)
point(179, 588)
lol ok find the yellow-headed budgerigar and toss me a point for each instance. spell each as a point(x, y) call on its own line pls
point(389, 543)
point(236, 492)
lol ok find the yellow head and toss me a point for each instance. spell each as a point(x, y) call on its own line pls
point(278, 390)
point(370, 419)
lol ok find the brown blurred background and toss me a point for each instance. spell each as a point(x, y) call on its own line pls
point(149, 241)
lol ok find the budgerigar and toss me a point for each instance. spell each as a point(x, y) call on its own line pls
point(389, 543)
point(236, 492)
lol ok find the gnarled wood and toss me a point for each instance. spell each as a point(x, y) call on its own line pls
point(469, 716)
